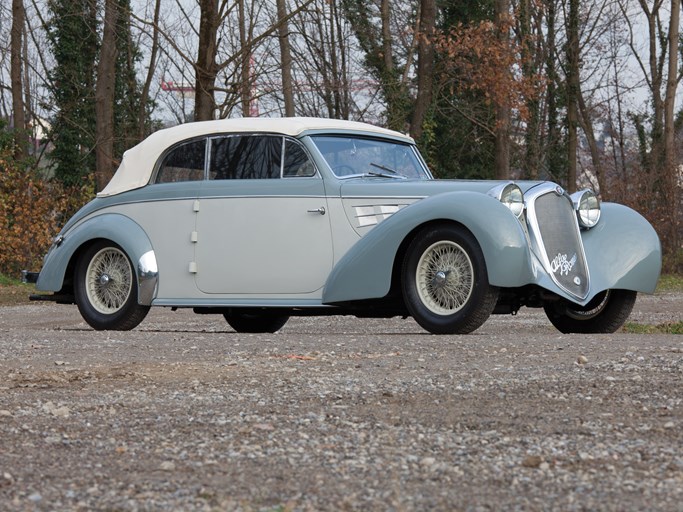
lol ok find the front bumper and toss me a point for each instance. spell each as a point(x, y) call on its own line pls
point(29, 277)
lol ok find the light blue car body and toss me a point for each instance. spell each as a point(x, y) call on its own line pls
point(621, 252)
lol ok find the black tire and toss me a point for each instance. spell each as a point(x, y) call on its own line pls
point(445, 282)
point(106, 288)
point(255, 321)
point(605, 314)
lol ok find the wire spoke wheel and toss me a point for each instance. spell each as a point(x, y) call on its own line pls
point(445, 277)
point(445, 282)
point(109, 280)
point(105, 286)
point(606, 313)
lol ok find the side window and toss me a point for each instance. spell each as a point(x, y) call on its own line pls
point(183, 163)
point(243, 157)
point(296, 162)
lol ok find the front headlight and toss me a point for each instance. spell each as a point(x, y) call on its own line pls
point(511, 196)
point(587, 206)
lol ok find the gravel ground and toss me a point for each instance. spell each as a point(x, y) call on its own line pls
point(338, 414)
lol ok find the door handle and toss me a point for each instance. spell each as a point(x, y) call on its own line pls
point(320, 210)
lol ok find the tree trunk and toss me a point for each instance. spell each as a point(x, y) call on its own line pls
point(205, 68)
point(246, 71)
point(654, 28)
point(286, 57)
point(530, 65)
point(142, 114)
point(554, 153)
point(334, 63)
point(104, 98)
point(502, 108)
point(670, 170)
point(425, 66)
point(392, 87)
point(572, 92)
point(341, 79)
point(387, 52)
point(587, 126)
point(19, 114)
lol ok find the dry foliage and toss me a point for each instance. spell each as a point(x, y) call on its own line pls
point(31, 213)
point(484, 59)
point(638, 189)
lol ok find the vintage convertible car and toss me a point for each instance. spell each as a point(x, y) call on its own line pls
point(262, 219)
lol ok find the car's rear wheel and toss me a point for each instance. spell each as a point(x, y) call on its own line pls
point(255, 321)
point(105, 288)
point(606, 313)
point(445, 282)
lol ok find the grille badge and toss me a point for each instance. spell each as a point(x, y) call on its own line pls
point(559, 191)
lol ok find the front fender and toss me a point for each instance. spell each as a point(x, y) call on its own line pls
point(365, 271)
point(110, 226)
point(622, 251)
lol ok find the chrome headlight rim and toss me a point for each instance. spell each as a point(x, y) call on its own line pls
point(587, 206)
point(511, 195)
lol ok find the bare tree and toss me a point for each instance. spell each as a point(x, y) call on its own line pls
point(151, 68)
point(502, 106)
point(425, 65)
point(104, 98)
point(317, 84)
point(659, 68)
point(206, 67)
point(18, 15)
point(573, 91)
point(246, 31)
point(670, 158)
point(286, 57)
point(387, 57)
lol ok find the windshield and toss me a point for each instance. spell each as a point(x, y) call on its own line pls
point(357, 156)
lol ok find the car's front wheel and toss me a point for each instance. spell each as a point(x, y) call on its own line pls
point(105, 288)
point(445, 282)
point(255, 321)
point(606, 313)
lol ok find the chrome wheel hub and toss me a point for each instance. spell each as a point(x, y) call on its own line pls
point(440, 279)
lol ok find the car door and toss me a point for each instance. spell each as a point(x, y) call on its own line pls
point(262, 226)
point(165, 212)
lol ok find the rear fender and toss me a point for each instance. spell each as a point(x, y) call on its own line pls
point(365, 271)
point(110, 226)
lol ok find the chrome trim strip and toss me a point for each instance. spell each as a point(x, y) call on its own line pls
point(370, 215)
point(148, 278)
point(383, 197)
point(245, 196)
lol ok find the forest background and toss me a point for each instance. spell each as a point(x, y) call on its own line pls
point(581, 92)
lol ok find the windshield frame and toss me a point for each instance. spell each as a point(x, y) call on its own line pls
point(421, 171)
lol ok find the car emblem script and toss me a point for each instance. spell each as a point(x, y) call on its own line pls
point(561, 263)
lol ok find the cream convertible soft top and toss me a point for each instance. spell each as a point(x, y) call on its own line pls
point(138, 162)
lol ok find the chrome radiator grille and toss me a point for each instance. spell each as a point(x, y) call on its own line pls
point(553, 224)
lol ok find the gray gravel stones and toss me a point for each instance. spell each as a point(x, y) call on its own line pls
point(337, 414)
